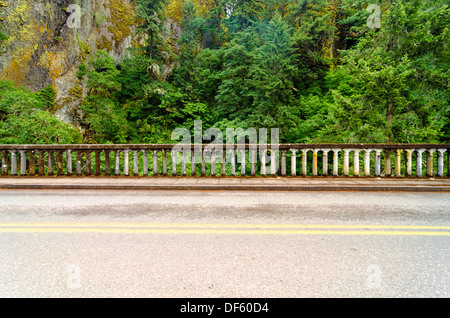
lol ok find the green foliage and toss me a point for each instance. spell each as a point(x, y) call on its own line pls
point(82, 70)
point(245, 13)
point(393, 85)
point(47, 97)
point(103, 119)
point(24, 120)
point(312, 68)
point(152, 14)
point(3, 36)
point(257, 80)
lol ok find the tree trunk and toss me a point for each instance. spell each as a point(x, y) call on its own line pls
point(218, 27)
point(389, 121)
point(151, 44)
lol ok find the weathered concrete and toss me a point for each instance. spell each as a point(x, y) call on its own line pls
point(42, 49)
point(229, 184)
point(266, 157)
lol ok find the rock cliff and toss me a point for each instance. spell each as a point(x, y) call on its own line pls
point(45, 45)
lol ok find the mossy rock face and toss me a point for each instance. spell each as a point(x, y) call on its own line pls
point(41, 49)
point(116, 22)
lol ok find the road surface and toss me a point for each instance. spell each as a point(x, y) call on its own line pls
point(75, 243)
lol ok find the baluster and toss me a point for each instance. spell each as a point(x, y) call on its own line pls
point(164, 164)
point(356, 162)
point(273, 162)
point(325, 162)
point(377, 162)
point(193, 166)
point(88, 163)
point(97, 162)
point(13, 163)
point(233, 162)
point(183, 162)
point(242, 162)
point(107, 162)
point(222, 164)
point(346, 163)
point(213, 162)
point(32, 168)
point(367, 162)
point(155, 163)
point(419, 162)
point(23, 163)
point(41, 171)
point(50, 162)
point(69, 162)
point(430, 162)
point(203, 164)
point(336, 162)
point(117, 163)
point(174, 162)
point(387, 163)
point(440, 162)
point(305, 162)
point(145, 163)
point(314, 163)
point(252, 161)
point(262, 155)
point(126, 163)
point(293, 162)
point(135, 163)
point(283, 163)
point(408, 172)
point(4, 163)
point(59, 163)
point(398, 153)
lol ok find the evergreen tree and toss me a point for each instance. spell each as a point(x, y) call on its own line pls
point(243, 13)
point(272, 76)
point(152, 14)
point(312, 68)
point(102, 117)
point(394, 83)
point(235, 98)
point(25, 120)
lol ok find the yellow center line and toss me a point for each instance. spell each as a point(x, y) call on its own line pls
point(218, 231)
point(204, 228)
point(217, 225)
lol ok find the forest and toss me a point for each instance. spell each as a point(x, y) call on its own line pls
point(321, 71)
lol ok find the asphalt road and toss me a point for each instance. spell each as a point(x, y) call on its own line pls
point(75, 243)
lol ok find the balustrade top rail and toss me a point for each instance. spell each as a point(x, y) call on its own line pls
point(379, 160)
point(111, 147)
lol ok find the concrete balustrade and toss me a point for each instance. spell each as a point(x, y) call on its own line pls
point(293, 162)
point(304, 162)
point(430, 162)
point(377, 162)
point(286, 160)
point(367, 162)
point(335, 162)
point(346, 162)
